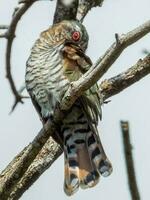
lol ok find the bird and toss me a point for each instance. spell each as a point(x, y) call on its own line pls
point(58, 58)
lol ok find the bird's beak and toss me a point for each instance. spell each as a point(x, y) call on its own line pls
point(80, 51)
point(74, 45)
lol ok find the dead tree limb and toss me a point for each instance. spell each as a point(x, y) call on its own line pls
point(62, 12)
point(49, 153)
point(119, 83)
point(10, 35)
point(21, 172)
point(135, 195)
point(116, 84)
point(85, 6)
point(103, 64)
point(18, 171)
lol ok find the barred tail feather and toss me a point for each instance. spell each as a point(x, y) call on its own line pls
point(71, 182)
point(97, 154)
point(85, 159)
point(88, 176)
point(79, 170)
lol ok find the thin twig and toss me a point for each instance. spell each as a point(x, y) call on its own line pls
point(75, 90)
point(16, 174)
point(10, 38)
point(20, 91)
point(33, 149)
point(85, 6)
point(38, 167)
point(135, 195)
point(103, 64)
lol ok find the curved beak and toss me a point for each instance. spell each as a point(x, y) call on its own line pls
point(79, 50)
point(74, 45)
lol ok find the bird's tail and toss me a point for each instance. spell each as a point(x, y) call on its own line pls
point(85, 159)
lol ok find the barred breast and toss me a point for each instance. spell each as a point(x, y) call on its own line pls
point(44, 76)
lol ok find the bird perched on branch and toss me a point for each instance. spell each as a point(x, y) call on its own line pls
point(58, 58)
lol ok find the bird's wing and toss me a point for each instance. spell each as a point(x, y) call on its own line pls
point(76, 63)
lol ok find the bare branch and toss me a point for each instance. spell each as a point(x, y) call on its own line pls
point(10, 35)
point(16, 102)
point(8, 182)
point(49, 153)
point(120, 82)
point(20, 91)
point(15, 175)
point(103, 64)
point(116, 84)
point(24, 180)
point(129, 161)
point(85, 6)
point(74, 9)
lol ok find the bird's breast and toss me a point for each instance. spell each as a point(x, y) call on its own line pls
point(44, 76)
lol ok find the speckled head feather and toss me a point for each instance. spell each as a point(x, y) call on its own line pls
point(62, 33)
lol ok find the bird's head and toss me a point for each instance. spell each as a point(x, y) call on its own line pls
point(68, 32)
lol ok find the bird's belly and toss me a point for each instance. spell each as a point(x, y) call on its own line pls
point(47, 86)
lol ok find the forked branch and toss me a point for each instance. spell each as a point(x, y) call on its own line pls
point(51, 150)
point(35, 147)
point(26, 167)
point(116, 84)
point(10, 35)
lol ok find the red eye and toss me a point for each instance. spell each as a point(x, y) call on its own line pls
point(76, 36)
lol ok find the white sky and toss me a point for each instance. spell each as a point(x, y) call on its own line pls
point(18, 129)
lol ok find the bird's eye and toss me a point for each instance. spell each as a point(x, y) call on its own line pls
point(76, 35)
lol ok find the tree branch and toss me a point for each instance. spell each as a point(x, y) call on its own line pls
point(49, 153)
point(103, 64)
point(12, 175)
point(10, 35)
point(15, 176)
point(116, 84)
point(129, 161)
point(75, 9)
point(26, 176)
point(65, 11)
point(109, 88)
point(85, 6)
point(62, 12)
